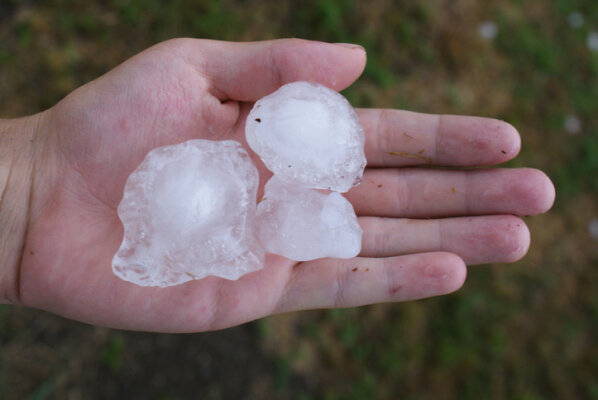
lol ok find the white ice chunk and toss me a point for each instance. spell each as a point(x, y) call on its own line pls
point(572, 124)
point(488, 30)
point(592, 41)
point(188, 213)
point(576, 19)
point(304, 224)
point(310, 135)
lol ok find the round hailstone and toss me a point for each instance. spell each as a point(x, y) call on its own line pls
point(572, 124)
point(488, 30)
point(592, 41)
point(304, 224)
point(308, 134)
point(188, 213)
point(576, 19)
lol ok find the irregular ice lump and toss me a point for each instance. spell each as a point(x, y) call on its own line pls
point(308, 134)
point(188, 212)
point(304, 224)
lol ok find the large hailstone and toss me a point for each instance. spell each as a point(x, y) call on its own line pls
point(188, 213)
point(309, 135)
point(304, 224)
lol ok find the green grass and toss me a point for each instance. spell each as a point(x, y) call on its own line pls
point(556, 75)
point(113, 352)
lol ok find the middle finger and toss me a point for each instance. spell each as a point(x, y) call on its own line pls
point(433, 193)
point(477, 240)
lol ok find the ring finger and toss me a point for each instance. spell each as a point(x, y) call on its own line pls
point(434, 193)
point(477, 240)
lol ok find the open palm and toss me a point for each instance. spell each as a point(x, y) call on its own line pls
point(420, 225)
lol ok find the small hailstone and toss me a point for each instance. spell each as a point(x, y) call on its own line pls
point(593, 229)
point(308, 134)
point(592, 41)
point(304, 224)
point(572, 124)
point(188, 212)
point(488, 30)
point(576, 19)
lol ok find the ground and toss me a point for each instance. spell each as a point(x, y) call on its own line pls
point(523, 331)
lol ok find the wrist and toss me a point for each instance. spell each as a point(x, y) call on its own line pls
point(17, 166)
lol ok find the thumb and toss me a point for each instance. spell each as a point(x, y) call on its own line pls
point(249, 71)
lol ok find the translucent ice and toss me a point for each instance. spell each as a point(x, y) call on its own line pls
point(310, 135)
point(304, 224)
point(188, 213)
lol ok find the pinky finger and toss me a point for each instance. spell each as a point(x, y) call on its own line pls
point(332, 283)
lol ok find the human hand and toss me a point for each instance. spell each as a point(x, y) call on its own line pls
point(420, 225)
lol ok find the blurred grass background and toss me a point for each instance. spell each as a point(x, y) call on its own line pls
point(523, 331)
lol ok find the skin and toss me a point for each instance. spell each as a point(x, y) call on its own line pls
point(64, 170)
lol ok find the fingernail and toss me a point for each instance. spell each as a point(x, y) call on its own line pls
point(350, 46)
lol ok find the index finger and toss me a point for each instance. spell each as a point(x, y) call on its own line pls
point(396, 138)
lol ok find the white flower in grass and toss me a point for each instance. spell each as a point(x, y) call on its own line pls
point(488, 30)
point(576, 19)
point(572, 124)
